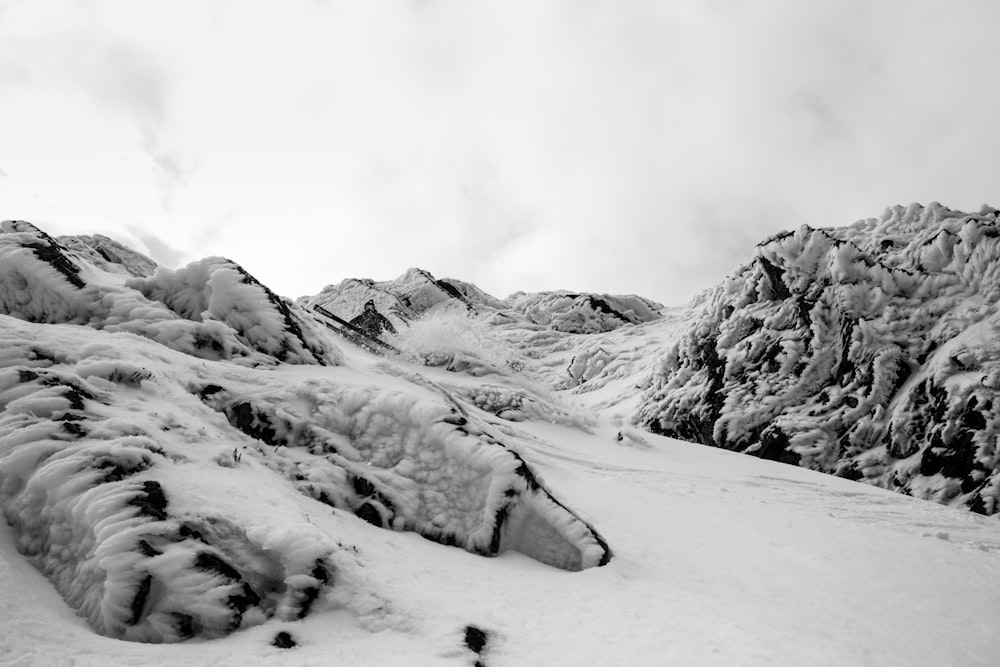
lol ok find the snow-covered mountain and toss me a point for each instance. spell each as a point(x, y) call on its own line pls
point(417, 294)
point(185, 455)
point(869, 351)
point(127, 440)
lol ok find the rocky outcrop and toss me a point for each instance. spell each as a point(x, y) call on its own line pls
point(869, 351)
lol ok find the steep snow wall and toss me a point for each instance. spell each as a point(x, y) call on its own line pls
point(869, 351)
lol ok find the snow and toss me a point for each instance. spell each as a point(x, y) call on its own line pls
point(377, 509)
point(719, 559)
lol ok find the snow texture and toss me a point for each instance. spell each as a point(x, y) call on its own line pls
point(133, 468)
point(869, 351)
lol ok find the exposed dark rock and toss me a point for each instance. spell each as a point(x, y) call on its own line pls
point(475, 639)
point(368, 513)
point(184, 624)
point(151, 500)
point(372, 322)
point(147, 550)
point(53, 254)
point(139, 600)
point(283, 640)
point(209, 562)
point(311, 593)
point(256, 424)
point(774, 447)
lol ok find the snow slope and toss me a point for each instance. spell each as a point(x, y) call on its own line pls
point(280, 488)
point(720, 559)
point(121, 457)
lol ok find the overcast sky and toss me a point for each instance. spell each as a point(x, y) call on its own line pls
point(624, 146)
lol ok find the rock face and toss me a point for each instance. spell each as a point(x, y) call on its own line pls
point(164, 439)
point(869, 351)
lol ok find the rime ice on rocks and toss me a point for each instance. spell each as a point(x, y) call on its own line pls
point(143, 419)
point(867, 351)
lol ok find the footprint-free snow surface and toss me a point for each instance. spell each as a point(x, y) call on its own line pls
point(191, 462)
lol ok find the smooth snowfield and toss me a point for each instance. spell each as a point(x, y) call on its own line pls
point(719, 559)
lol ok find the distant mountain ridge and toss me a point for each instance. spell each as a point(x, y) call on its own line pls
point(417, 293)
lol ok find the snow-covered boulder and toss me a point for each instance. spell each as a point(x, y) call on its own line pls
point(869, 351)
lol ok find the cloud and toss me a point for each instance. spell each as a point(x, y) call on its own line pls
point(160, 252)
point(587, 144)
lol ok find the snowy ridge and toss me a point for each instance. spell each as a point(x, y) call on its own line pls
point(212, 309)
point(109, 255)
point(869, 351)
point(417, 294)
point(133, 469)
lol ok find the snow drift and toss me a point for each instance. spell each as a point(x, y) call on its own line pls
point(869, 351)
point(145, 420)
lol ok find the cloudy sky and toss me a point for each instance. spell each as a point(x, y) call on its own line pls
point(626, 146)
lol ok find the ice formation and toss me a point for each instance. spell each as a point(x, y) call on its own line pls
point(146, 420)
point(867, 351)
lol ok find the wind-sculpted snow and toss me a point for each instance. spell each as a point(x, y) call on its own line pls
point(211, 309)
point(105, 476)
point(134, 469)
point(869, 351)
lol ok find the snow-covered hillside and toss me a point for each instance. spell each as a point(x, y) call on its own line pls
point(869, 351)
point(193, 462)
point(127, 460)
